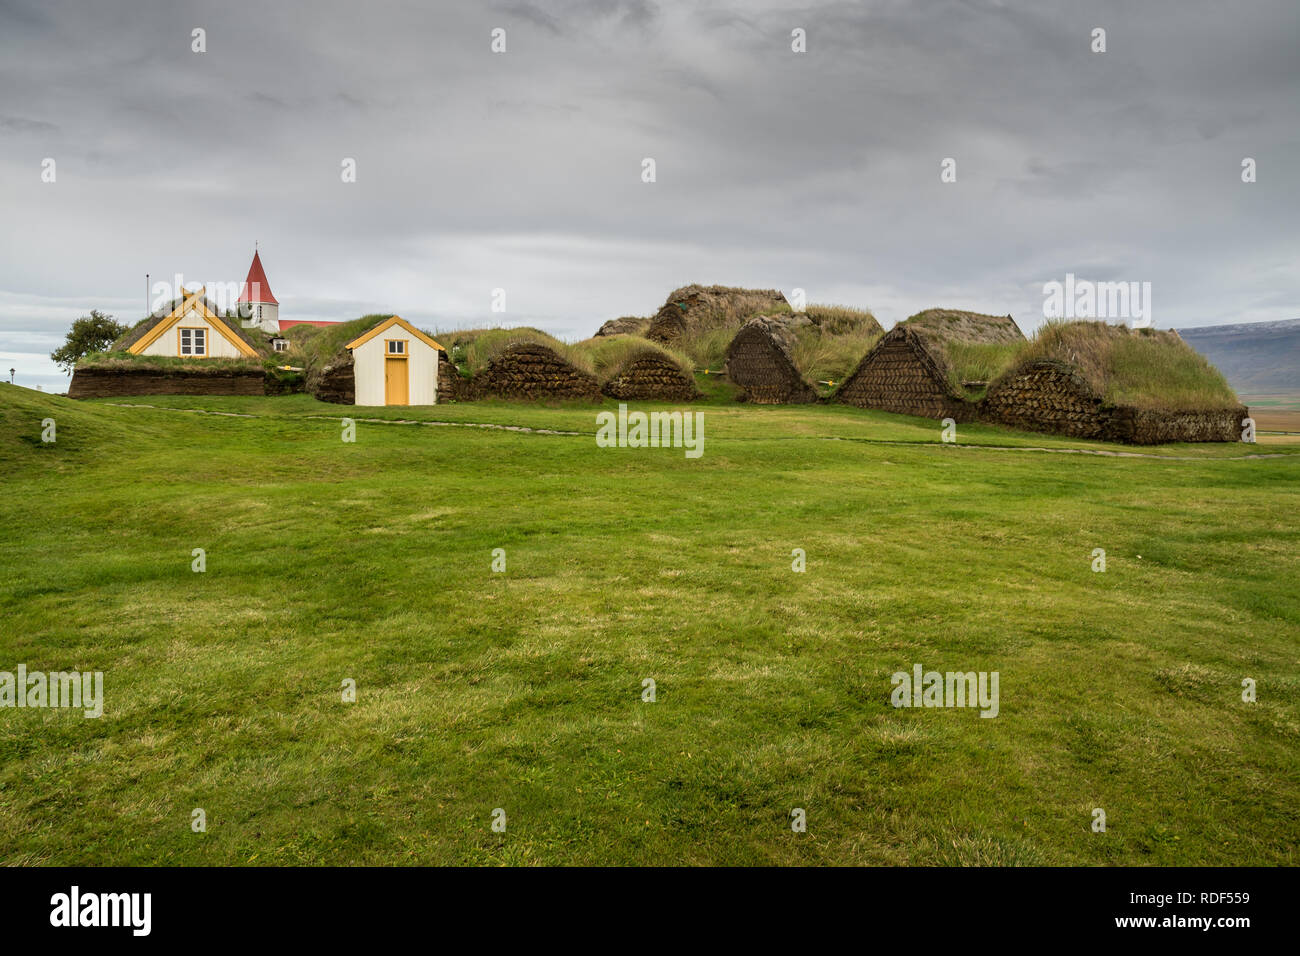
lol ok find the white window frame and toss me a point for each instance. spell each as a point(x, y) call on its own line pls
point(198, 342)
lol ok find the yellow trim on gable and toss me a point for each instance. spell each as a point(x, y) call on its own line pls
point(192, 300)
point(388, 324)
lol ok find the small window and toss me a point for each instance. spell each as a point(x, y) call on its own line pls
point(280, 345)
point(397, 346)
point(194, 342)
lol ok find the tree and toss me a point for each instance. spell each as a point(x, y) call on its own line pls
point(90, 333)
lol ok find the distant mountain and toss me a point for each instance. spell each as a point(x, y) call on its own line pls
point(1258, 358)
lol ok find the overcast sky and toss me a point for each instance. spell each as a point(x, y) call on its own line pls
point(522, 170)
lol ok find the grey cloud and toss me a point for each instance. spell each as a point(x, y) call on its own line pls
point(533, 14)
point(266, 99)
point(522, 170)
point(21, 124)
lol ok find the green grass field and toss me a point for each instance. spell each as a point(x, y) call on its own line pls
point(522, 690)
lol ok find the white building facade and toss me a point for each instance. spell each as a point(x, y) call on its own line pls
point(395, 364)
point(192, 330)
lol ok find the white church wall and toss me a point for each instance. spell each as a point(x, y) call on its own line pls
point(266, 316)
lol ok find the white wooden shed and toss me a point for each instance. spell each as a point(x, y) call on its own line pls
point(395, 364)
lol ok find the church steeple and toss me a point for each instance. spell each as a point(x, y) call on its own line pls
point(257, 300)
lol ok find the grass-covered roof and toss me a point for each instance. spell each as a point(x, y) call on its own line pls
point(609, 355)
point(321, 344)
point(966, 326)
point(253, 337)
point(1144, 368)
point(474, 349)
point(971, 348)
point(125, 361)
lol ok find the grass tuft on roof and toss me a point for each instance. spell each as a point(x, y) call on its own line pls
point(474, 349)
point(321, 344)
point(126, 361)
point(254, 338)
point(1145, 368)
point(822, 357)
point(608, 355)
point(966, 326)
point(972, 348)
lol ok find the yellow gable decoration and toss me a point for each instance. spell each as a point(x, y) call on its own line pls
point(191, 302)
point(385, 326)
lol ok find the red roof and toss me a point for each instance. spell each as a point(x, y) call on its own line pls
point(289, 323)
point(256, 288)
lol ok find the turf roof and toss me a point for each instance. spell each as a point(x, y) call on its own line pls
point(1144, 368)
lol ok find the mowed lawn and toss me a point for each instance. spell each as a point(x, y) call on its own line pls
point(522, 690)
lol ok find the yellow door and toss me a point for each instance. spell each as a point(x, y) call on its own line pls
point(396, 390)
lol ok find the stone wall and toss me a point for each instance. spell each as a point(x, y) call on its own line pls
point(759, 362)
point(1048, 397)
point(1146, 427)
point(451, 387)
point(110, 382)
point(1052, 397)
point(651, 377)
point(336, 382)
point(531, 371)
point(899, 375)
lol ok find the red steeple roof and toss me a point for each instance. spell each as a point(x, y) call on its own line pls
point(256, 288)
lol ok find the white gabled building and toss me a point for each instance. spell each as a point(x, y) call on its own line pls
point(395, 364)
point(192, 330)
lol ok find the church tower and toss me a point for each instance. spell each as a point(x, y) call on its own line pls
point(256, 303)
